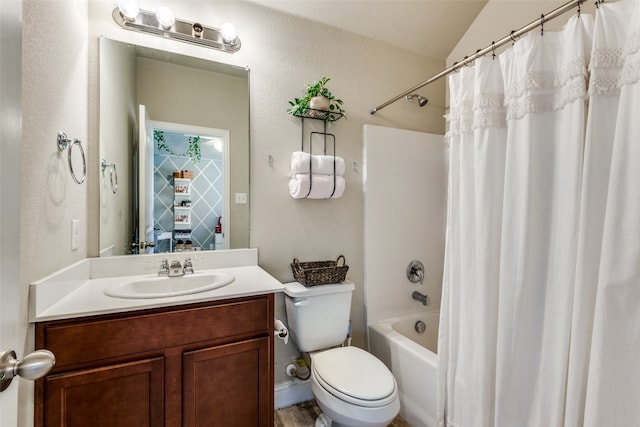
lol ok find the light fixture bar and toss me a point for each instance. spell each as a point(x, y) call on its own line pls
point(181, 30)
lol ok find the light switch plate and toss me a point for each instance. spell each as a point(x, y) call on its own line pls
point(75, 234)
point(241, 198)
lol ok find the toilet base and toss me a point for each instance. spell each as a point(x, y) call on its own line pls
point(342, 414)
point(324, 421)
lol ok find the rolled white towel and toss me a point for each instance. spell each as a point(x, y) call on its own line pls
point(321, 186)
point(320, 164)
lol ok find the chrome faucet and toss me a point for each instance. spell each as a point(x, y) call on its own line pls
point(164, 268)
point(188, 267)
point(424, 299)
point(176, 269)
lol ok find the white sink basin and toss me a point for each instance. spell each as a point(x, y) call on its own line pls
point(160, 287)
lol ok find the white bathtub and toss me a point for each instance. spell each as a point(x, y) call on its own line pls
point(413, 359)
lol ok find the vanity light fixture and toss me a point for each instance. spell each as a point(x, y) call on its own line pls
point(229, 33)
point(128, 9)
point(165, 17)
point(163, 23)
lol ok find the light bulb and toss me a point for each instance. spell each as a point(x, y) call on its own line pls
point(128, 9)
point(229, 33)
point(165, 17)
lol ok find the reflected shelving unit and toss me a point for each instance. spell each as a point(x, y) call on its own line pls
point(182, 209)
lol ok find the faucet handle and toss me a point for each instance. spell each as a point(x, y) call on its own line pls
point(187, 266)
point(164, 268)
point(415, 272)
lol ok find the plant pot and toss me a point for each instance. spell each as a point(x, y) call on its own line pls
point(319, 103)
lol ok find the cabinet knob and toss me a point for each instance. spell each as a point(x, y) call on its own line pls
point(33, 366)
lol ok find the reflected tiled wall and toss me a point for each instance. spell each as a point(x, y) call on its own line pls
point(206, 197)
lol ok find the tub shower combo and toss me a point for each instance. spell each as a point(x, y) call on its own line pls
point(408, 345)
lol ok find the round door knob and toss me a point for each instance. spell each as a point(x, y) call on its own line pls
point(33, 366)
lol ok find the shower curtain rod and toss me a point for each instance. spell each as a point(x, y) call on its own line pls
point(491, 48)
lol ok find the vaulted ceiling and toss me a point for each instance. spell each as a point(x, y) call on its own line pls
point(429, 27)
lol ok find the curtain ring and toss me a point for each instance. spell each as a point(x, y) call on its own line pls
point(493, 50)
point(579, 8)
point(84, 162)
point(513, 39)
point(542, 24)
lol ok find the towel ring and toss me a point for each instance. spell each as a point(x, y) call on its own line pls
point(67, 143)
point(113, 174)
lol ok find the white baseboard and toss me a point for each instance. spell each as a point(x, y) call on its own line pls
point(292, 392)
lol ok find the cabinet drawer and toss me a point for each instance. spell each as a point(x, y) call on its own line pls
point(116, 336)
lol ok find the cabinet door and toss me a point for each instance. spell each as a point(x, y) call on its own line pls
point(124, 395)
point(228, 385)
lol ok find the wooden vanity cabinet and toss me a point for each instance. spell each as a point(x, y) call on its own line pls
point(208, 364)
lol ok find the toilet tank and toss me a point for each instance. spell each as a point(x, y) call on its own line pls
point(318, 316)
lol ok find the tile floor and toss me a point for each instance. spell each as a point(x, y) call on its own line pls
point(304, 415)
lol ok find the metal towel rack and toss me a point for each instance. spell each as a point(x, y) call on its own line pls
point(326, 116)
point(324, 152)
point(65, 143)
point(113, 174)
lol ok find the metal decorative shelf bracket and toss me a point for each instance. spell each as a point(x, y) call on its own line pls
point(311, 113)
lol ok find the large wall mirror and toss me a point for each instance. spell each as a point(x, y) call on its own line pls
point(174, 152)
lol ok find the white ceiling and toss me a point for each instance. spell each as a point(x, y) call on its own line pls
point(430, 27)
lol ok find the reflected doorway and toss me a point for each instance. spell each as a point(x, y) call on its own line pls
point(190, 187)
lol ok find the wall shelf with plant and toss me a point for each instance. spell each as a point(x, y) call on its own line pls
point(318, 103)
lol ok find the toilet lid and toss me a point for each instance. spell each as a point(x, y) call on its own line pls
point(354, 375)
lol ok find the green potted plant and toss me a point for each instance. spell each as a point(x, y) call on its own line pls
point(317, 100)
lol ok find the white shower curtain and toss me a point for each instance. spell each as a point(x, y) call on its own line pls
point(540, 317)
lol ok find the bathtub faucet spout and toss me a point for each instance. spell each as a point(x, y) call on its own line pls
point(424, 299)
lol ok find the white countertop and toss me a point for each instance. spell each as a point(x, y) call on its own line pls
point(78, 290)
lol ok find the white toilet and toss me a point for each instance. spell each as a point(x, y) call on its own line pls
point(351, 386)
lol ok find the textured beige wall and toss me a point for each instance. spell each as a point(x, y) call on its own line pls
point(54, 99)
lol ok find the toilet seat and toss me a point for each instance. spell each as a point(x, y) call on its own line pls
point(355, 376)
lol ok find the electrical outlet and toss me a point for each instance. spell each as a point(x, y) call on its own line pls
point(241, 198)
point(75, 234)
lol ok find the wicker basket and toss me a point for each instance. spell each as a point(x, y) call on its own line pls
point(319, 272)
